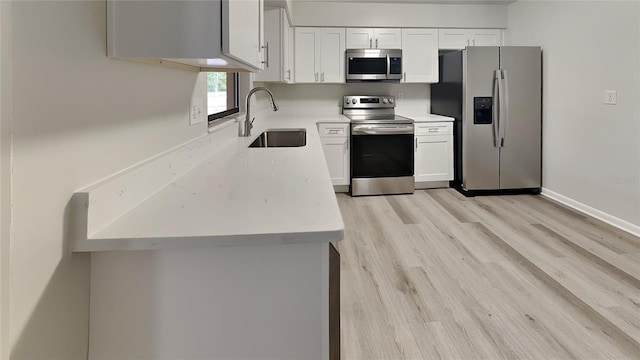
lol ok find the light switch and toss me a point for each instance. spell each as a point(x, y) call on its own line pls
point(196, 112)
point(610, 97)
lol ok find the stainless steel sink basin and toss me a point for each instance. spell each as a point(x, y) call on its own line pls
point(280, 138)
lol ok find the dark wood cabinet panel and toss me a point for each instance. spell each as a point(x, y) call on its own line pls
point(334, 303)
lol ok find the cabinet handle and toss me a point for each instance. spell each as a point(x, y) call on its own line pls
point(404, 76)
point(289, 74)
point(322, 77)
point(416, 144)
point(433, 129)
point(266, 54)
point(376, 43)
point(316, 77)
point(346, 145)
point(370, 43)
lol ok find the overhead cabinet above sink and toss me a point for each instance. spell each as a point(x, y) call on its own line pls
point(199, 35)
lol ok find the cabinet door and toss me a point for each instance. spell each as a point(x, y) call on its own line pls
point(420, 55)
point(359, 38)
point(336, 151)
point(307, 55)
point(332, 49)
point(274, 41)
point(454, 39)
point(485, 37)
point(289, 52)
point(244, 31)
point(387, 38)
point(434, 158)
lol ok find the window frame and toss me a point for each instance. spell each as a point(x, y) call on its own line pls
point(233, 104)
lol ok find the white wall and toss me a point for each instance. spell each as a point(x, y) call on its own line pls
point(77, 117)
point(361, 14)
point(327, 99)
point(591, 151)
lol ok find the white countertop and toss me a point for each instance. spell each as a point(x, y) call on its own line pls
point(419, 118)
point(238, 196)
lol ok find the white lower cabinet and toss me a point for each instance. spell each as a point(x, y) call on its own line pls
point(433, 151)
point(335, 143)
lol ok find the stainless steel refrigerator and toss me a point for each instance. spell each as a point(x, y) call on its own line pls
point(495, 96)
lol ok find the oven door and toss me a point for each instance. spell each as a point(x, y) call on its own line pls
point(382, 150)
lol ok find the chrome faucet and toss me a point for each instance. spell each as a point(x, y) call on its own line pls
point(245, 126)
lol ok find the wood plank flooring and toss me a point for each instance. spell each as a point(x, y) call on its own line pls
point(435, 275)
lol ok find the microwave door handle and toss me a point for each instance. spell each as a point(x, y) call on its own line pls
point(388, 67)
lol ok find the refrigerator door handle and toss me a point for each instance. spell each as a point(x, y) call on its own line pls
point(504, 101)
point(495, 114)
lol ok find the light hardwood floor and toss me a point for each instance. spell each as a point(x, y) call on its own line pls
point(435, 275)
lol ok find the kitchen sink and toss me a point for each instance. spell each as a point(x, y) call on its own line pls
point(281, 138)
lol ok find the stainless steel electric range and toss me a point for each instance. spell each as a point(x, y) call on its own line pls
point(381, 146)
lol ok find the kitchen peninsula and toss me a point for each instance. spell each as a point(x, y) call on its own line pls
point(234, 255)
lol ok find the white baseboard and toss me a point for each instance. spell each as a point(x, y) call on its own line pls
point(341, 188)
point(588, 210)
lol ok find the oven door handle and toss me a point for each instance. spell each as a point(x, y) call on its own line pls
point(381, 129)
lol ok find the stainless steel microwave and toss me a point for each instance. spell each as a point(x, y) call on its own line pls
point(374, 65)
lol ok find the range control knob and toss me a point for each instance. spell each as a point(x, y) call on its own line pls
point(384, 100)
point(390, 100)
point(346, 100)
point(354, 101)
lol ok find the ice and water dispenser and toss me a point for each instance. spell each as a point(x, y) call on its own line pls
point(482, 108)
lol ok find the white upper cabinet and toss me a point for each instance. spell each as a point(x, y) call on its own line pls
point(289, 71)
point(485, 37)
point(359, 38)
point(388, 38)
point(370, 38)
point(242, 21)
point(420, 55)
point(319, 55)
point(307, 55)
point(215, 34)
point(454, 39)
point(277, 56)
point(332, 55)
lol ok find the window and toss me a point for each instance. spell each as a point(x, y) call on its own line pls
point(222, 94)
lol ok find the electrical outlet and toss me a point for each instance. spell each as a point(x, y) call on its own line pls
point(610, 97)
point(196, 112)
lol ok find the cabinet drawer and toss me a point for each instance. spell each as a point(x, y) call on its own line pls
point(435, 128)
point(333, 130)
